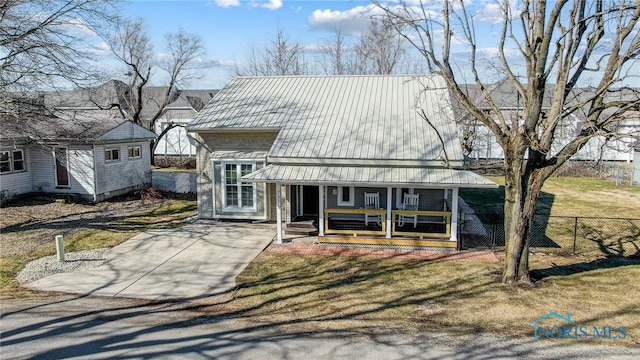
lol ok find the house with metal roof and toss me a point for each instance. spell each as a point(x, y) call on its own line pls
point(362, 159)
point(84, 152)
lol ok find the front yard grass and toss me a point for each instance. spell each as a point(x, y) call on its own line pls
point(372, 295)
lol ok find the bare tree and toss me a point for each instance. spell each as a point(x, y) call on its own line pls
point(378, 50)
point(563, 44)
point(47, 44)
point(279, 57)
point(333, 55)
point(184, 55)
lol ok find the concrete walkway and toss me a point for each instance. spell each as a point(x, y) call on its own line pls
point(190, 262)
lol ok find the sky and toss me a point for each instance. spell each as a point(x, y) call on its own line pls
point(230, 27)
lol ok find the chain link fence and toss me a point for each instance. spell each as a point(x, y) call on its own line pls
point(556, 234)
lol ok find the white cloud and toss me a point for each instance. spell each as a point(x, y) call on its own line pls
point(494, 12)
point(351, 22)
point(272, 5)
point(101, 49)
point(227, 3)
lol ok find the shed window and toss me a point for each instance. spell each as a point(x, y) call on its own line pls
point(112, 154)
point(134, 152)
point(5, 162)
point(12, 161)
point(238, 196)
point(346, 195)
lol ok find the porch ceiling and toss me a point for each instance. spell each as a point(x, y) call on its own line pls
point(416, 177)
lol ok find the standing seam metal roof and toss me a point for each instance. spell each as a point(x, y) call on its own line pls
point(340, 117)
point(369, 176)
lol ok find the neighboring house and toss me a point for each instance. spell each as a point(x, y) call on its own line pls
point(85, 151)
point(342, 154)
point(184, 105)
point(481, 144)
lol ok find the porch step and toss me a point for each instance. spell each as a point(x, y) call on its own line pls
point(300, 227)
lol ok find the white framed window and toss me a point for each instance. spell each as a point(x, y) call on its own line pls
point(238, 196)
point(5, 162)
point(346, 195)
point(12, 161)
point(112, 154)
point(133, 152)
point(18, 161)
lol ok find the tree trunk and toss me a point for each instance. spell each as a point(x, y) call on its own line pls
point(521, 193)
point(152, 145)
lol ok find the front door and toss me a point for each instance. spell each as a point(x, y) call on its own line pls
point(62, 167)
point(310, 200)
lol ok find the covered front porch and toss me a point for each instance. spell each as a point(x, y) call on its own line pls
point(388, 219)
point(369, 205)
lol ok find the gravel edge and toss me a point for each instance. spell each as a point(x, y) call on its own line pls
point(74, 261)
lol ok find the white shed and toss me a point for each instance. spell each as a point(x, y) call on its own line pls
point(93, 154)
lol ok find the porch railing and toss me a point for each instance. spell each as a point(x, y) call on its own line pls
point(432, 217)
point(432, 224)
point(353, 221)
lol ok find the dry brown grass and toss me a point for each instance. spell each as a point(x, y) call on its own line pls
point(371, 295)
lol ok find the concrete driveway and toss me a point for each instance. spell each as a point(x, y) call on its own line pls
point(190, 262)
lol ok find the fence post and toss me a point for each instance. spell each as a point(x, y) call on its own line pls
point(575, 233)
point(494, 227)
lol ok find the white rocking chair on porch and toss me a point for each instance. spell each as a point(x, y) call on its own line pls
point(372, 201)
point(410, 202)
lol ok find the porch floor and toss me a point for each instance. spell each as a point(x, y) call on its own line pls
point(379, 240)
point(303, 248)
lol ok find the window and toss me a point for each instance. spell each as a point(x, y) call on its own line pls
point(346, 195)
point(133, 152)
point(18, 160)
point(5, 162)
point(112, 154)
point(238, 195)
point(12, 161)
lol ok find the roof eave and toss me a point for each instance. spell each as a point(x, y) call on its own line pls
point(231, 129)
point(367, 162)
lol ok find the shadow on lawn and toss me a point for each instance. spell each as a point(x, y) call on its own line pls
point(619, 250)
point(576, 268)
point(162, 328)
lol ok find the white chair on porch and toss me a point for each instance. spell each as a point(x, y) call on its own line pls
point(410, 202)
point(372, 201)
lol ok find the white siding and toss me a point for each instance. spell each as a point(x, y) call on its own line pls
point(127, 130)
point(635, 175)
point(43, 165)
point(125, 172)
point(81, 180)
point(17, 183)
point(175, 142)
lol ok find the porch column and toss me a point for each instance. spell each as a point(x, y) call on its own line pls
point(320, 210)
point(454, 214)
point(389, 207)
point(279, 213)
